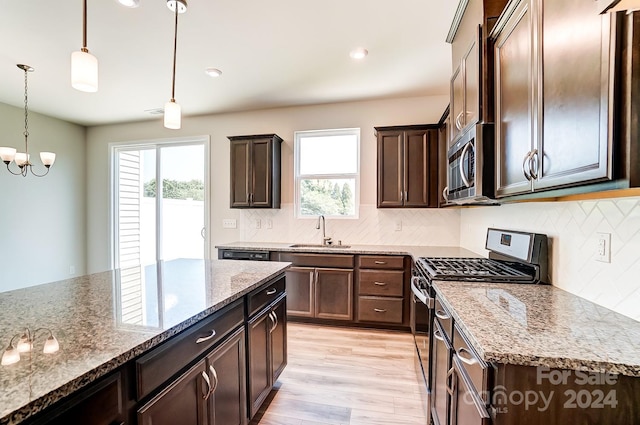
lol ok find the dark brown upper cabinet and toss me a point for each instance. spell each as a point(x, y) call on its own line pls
point(553, 95)
point(255, 171)
point(408, 166)
point(466, 88)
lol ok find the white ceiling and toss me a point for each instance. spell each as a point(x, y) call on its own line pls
point(271, 52)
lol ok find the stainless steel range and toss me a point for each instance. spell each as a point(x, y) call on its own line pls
point(514, 257)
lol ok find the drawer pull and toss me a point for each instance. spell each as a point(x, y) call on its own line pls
point(469, 359)
point(271, 291)
point(380, 283)
point(440, 314)
point(208, 381)
point(206, 338)
point(451, 388)
point(438, 335)
point(380, 262)
point(215, 378)
point(274, 320)
point(379, 310)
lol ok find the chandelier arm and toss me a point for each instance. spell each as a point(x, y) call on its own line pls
point(21, 173)
point(38, 175)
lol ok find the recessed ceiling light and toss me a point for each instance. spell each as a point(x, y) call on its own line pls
point(130, 3)
point(359, 53)
point(213, 72)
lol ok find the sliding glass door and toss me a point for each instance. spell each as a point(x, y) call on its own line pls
point(160, 202)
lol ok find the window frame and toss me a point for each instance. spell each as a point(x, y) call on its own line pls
point(298, 135)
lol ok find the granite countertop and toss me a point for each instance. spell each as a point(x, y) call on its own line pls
point(414, 251)
point(105, 319)
point(541, 325)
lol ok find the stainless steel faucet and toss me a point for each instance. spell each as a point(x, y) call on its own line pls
point(325, 240)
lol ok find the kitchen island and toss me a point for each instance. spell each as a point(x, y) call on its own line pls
point(104, 320)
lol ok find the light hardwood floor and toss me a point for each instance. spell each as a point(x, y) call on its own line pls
point(338, 376)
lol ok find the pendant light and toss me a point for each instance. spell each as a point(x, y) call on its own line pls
point(84, 66)
point(172, 110)
point(21, 159)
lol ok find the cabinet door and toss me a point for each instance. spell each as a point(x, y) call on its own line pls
point(259, 361)
point(334, 294)
point(183, 401)
point(467, 408)
point(440, 365)
point(390, 169)
point(574, 141)
point(420, 168)
point(457, 103)
point(226, 367)
point(261, 172)
point(514, 102)
point(279, 339)
point(472, 81)
point(300, 291)
point(240, 173)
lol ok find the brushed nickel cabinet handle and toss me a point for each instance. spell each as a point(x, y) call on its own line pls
point(380, 283)
point(532, 162)
point(206, 338)
point(438, 335)
point(379, 310)
point(208, 381)
point(215, 378)
point(271, 291)
point(524, 163)
point(469, 358)
point(444, 194)
point(440, 314)
point(380, 262)
point(451, 388)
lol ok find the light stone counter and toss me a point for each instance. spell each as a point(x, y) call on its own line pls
point(413, 251)
point(541, 325)
point(105, 319)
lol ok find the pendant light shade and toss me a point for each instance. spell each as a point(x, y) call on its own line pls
point(84, 66)
point(84, 71)
point(172, 115)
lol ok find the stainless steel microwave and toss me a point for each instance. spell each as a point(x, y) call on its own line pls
point(471, 171)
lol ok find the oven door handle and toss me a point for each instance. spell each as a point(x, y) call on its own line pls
point(424, 298)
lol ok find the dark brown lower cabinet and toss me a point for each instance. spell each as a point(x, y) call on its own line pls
point(467, 407)
point(441, 363)
point(184, 401)
point(300, 282)
point(228, 399)
point(267, 342)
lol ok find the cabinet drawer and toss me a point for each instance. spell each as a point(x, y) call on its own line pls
point(264, 295)
point(475, 367)
point(155, 367)
point(318, 260)
point(380, 262)
point(444, 318)
point(378, 309)
point(382, 282)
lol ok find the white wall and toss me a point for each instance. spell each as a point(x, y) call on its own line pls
point(572, 227)
point(42, 219)
point(282, 121)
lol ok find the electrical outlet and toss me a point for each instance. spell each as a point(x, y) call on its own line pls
point(398, 227)
point(229, 223)
point(258, 223)
point(603, 252)
point(269, 224)
point(72, 270)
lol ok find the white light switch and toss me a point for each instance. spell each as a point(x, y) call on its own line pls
point(398, 226)
point(603, 252)
point(229, 223)
point(269, 224)
point(258, 223)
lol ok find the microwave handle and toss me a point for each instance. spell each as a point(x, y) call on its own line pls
point(465, 180)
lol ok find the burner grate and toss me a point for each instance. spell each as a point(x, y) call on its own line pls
point(472, 268)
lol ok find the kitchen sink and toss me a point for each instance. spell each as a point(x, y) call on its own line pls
point(317, 245)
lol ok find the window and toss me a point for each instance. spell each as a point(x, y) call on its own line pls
point(327, 173)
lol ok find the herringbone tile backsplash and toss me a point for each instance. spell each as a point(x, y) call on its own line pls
point(571, 227)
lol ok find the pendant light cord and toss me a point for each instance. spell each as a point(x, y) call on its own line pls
point(175, 48)
point(26, 114)
point(84, 27)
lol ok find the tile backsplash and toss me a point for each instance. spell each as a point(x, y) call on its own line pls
point(572, 228)
point(373, 227)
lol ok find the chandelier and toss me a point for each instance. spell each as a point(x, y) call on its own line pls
point(25, 343)
point(22, 159)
